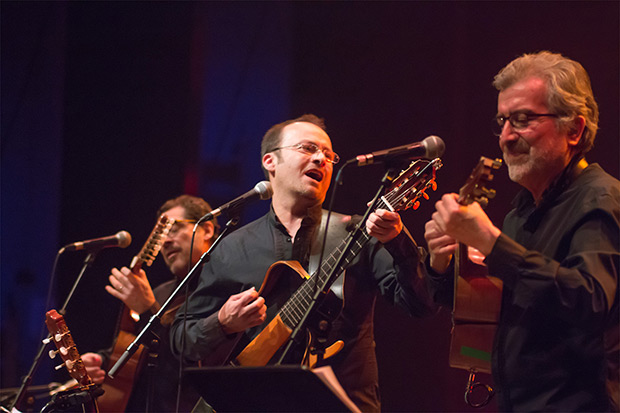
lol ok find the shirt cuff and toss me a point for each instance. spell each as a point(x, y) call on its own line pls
point(403, 247)
point(505, 259)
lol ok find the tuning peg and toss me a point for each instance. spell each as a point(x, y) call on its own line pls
point(47, 340)
point(59, 336)
point(61, 350)
point(68, 364)
point(433, 185)
point(425, 195)
point(416, 205)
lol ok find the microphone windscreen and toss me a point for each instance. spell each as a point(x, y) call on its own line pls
point(435, 146)
point(124, 239)
point(264, 189)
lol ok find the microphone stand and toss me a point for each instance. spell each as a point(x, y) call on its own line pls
point(319, 293)
point(90, 258)
point(155, 319)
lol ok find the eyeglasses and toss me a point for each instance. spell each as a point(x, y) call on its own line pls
point(310, 148)
point(178, 225)
point(518, 120)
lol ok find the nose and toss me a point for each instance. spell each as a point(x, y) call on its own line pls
point(319, 158)
point(167, 240)
point(508, 133)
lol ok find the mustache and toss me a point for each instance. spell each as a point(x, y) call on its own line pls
point(517, 146)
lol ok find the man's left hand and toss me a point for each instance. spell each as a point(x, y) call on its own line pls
point(384, 225)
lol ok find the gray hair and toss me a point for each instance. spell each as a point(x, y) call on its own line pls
point(569, 92)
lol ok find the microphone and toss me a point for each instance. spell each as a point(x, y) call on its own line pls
point(121, 239)
point(261, 190)
point(430, 148)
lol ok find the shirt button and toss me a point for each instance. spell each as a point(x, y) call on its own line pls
point(288, 240)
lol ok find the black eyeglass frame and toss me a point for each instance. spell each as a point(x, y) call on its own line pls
point(518, 124)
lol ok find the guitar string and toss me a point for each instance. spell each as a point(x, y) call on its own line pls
point(293, 310)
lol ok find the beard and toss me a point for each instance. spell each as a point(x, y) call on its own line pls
point(528, 165)
point(518, 159)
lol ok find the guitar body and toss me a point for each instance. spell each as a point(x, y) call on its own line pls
point(118, 390)
point(282, 279)
point(477, 305)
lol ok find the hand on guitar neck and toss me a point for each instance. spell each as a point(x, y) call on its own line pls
point(384, 225)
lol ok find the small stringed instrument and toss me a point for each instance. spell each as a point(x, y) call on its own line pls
point(72, 361)
point(118, 390)
point(477, 295)
point(404, 192)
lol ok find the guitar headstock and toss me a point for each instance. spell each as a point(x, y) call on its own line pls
point(475, 189)
point(61, 336)
point(411, 185)
point(153, 244)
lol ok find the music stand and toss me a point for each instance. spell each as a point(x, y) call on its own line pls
point(266, 389)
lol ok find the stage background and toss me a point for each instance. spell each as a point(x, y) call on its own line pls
point(110, 108)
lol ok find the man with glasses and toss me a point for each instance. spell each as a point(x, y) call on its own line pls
point(298, 159)
point(556, 347)
point(134, 290)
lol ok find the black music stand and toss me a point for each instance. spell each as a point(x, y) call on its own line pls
point(264, 389)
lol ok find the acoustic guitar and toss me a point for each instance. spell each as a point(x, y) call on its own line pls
point(83, 391)
point(118, 390)
point(403, 193)
point(477, 295)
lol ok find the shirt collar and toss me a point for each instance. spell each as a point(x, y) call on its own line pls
point(524, 201)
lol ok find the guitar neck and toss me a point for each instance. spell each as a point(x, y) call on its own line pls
point(405, 191)
point(153, 244)
point(292, 312)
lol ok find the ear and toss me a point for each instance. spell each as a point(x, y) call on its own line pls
point(575, 131)
point(209, 230)
point(269, 162)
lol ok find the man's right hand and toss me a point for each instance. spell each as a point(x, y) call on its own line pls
point(131, 288)
point(92, 362)
point(242, 311)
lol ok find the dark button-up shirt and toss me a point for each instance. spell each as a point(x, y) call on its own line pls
point(241, 261)
point(557, 343)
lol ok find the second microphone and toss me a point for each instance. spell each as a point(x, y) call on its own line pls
point(261, 191)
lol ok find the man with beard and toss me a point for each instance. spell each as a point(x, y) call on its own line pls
point(556, 344)
point(298, 159)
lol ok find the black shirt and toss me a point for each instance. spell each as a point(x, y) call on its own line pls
point(557, 344)
point(241, 261)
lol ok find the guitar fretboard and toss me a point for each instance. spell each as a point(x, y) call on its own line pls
point(293, 311)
